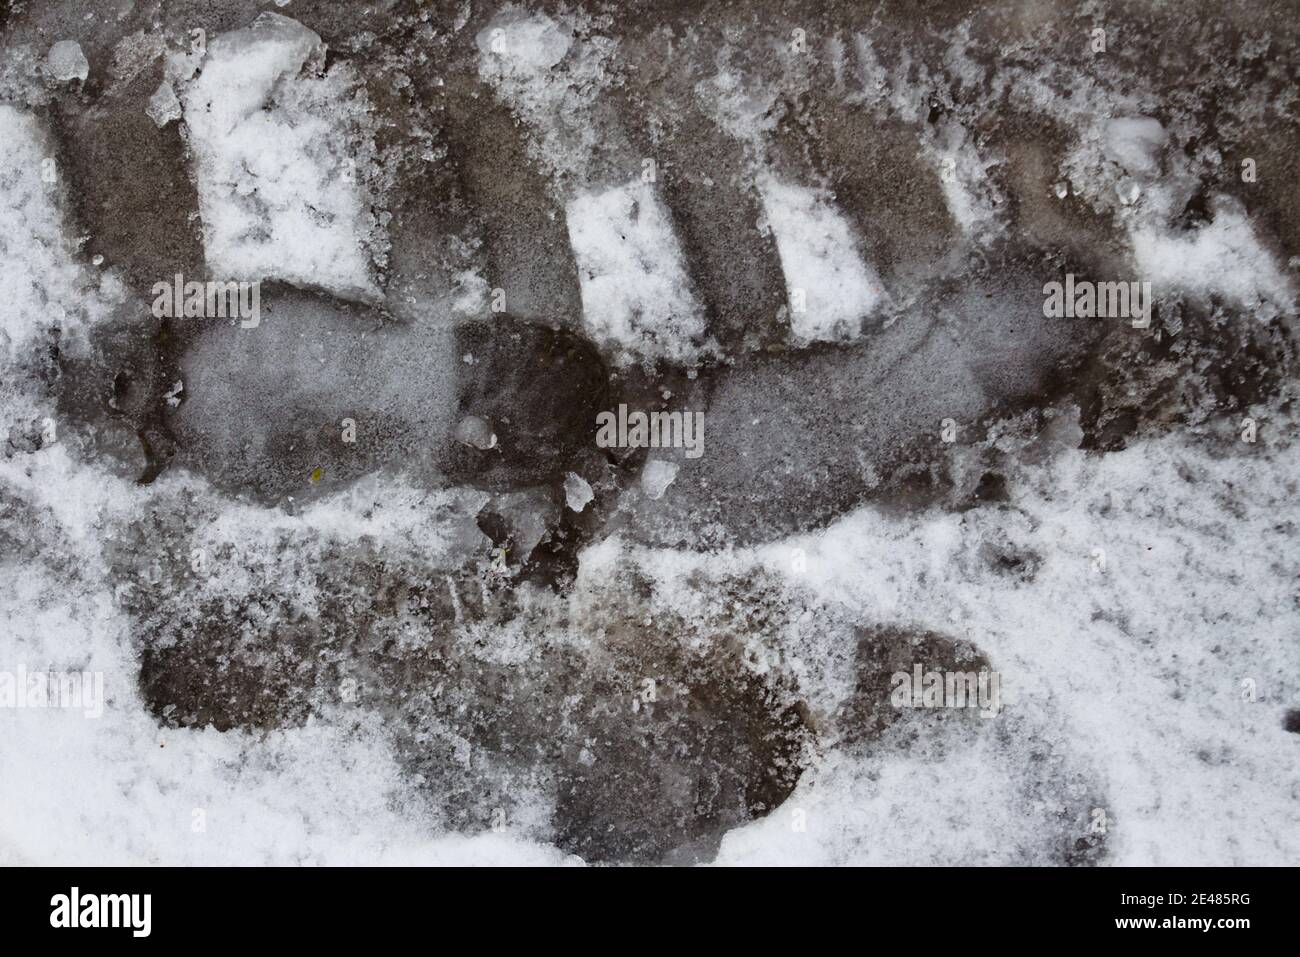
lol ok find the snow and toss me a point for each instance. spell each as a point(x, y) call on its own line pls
point(638, 302)
point(745, 110)
point(35, 261)
point(1147, 646)
point(128, 792)
point(967, 186)
point(1123, 684)
point(829, 287)
point(1221, 258)
point(552, 80)
point(637, 299)
point(1135, 142)
point(277, 189)
point(47, 295)
point(1137, 668)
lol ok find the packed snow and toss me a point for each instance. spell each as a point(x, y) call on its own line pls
point(279, 190)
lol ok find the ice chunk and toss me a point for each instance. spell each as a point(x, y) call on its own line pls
point(831, 290)
point(525, 518)
point(577, 492)
point(657, 475)
point(1128, 192)
point(163, 105)
point(523, 40)
point(476, 431)
point(278, 188)
point(637, 299)
point(65, 61)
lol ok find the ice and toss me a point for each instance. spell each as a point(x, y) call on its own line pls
point(410, 605)
point(657, 475)
point(280, 189)
point(476, 431)
point(65, 61)
point(163, 105)
point(528, 517)
point(265, 407)
point(577, 492)
point(1092, 650)
point(831, 290)
point(637, 299)
point(524, 41)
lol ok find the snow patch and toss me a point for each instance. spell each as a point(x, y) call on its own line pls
point(830, 289)
point(520, 55)
point(278, 186)
point(1221, 258)
point(1135, 142)
point(43, 288)
point(637, 299)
